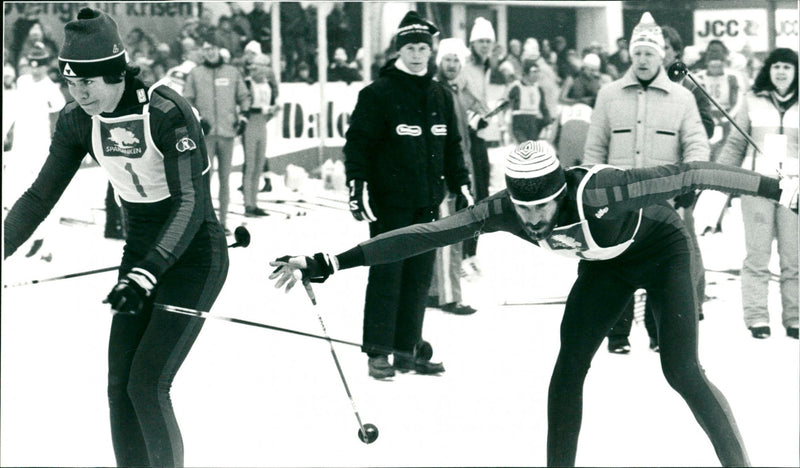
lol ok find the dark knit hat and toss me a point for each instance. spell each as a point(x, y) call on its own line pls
point(414, 28)
point(92, 46)
point(533, 173)
point(38, 55)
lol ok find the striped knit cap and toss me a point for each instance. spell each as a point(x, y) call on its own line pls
point(533, 173)
point(647, 33)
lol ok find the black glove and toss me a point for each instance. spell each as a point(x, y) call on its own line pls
point(241, 125)
point(359, 201)
point(205, 126)
point(464, 198)
point(315, 269)
point(130, 293)
point(478, 123)
point(686, 200)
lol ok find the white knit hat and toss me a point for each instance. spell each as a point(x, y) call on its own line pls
point(482, 29)
point(533, 173)
point(647, 33)
point(530, 49)
point(452, 46)
point(592, 60)
point(253, 46)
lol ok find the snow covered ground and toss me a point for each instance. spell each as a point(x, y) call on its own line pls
point(254, 397)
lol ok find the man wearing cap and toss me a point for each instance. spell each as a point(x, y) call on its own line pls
point(529, 110)
point(218, 92)
point(42, 98)
point(175, 77)
point(403, 148)
point(150, 145)
point(445, 292)
point(254, 139)
point(616, 222)
point(583, 87)
point(475, 78)
point(38, 101)
point(643, 119)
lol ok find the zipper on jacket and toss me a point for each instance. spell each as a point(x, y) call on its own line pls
point(214, 87)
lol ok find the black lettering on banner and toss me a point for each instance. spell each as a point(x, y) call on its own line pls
point(718, 28)
point(329, 123)
point(312, 127)
point(705, 31)
point(342, 123)
point(65, 11)
point(732, 28)
point(292, 120)
point(134, 9)
point(108, 8)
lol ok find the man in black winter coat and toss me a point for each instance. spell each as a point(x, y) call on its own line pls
point(402, 146)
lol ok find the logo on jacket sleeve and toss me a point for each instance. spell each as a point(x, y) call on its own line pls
point(185, 144)
point(410, 130)
point(601, 212)
point(439, 130)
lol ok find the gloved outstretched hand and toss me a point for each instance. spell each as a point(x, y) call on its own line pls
point(359, 201)
point(685, 200)
point(288, 270)
point(464, 198)
point(130, 293)
point(789, 192)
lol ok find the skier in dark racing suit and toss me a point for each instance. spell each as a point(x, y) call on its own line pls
point(618, 222)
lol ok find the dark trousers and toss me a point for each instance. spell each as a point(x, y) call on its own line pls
point(480, 163)
point(622, 329)
point(115, 219)
point(601, 291)
point(397, 293)
point(146, 350)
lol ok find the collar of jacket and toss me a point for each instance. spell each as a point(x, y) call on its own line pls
point(661, 81)
point(129, 103)
point(390, 69)
point(217, 64)
point(477, 60)
point(453, 85)
point(781, 105)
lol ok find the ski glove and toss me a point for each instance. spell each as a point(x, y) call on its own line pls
point(464, 198)
point(241, 125)
point(130, 293)
point(359, 201)
point(789, 192)
point(686, 200)
point(315, 269)
point(478, 123)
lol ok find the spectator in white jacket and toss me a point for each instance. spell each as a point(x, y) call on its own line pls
point(643, 120)
point(769, 114)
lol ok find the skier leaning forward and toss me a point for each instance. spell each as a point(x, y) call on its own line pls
point(618, 222)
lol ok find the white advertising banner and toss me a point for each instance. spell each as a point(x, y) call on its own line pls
point(297, 126)
point(787, 32)
point(736, 28)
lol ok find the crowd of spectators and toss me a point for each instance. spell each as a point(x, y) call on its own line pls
point(233, 31)
point(565, 75)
